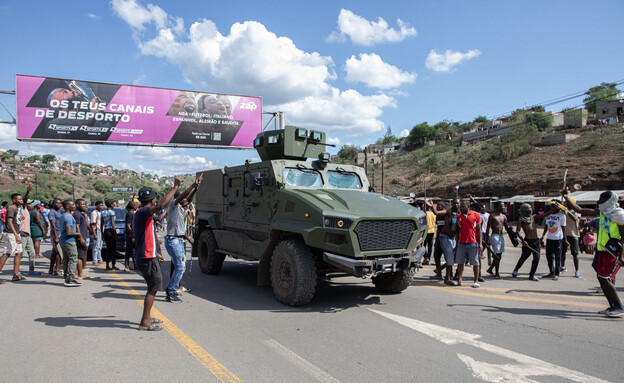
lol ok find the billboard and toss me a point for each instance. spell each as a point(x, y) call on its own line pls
point(55, 109)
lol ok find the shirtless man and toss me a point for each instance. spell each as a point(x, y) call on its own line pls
point(446, 236)
point(496, 240)
point(530, 242)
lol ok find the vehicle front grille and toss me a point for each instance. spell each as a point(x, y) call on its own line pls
point(384, 235)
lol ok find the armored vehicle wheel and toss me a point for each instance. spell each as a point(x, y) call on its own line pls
point(393, 282)
point(210, 261)
point(293, 273)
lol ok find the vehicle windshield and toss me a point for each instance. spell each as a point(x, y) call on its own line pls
point(344, 180)
point(303, 177)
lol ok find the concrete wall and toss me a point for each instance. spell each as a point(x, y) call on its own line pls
point(575, 118)
point(500, 131)
point(557, 119)
point(556, 139)
point(474, 135)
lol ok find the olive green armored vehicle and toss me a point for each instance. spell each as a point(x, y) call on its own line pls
point(305, 220)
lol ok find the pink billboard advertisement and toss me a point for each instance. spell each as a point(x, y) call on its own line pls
point(54, 109)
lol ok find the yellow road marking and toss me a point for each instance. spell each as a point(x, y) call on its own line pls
point(517, 291)
point(512, 298)
point(216, 368)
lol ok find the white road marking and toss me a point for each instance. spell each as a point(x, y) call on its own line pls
point(514, 373)
point(311, 369)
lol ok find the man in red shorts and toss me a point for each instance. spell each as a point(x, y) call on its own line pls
point(610, 258)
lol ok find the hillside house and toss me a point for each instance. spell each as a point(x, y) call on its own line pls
point(374, 152)
point(610, 111)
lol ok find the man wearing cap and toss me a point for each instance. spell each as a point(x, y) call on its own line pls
point(610, 246)
point(145, 245)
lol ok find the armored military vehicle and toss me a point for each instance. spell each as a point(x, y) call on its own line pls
point(305, 220)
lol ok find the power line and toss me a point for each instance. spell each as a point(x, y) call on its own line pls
point(557, 100)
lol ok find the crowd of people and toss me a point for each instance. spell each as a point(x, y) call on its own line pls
point(464, 232)
point(72, 230)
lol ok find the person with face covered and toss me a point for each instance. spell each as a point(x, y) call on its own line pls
point(610, 246)
point(530, 242)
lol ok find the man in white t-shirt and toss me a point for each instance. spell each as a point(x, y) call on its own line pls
point(554, 227)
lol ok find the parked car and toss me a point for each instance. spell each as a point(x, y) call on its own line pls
point(120, 226)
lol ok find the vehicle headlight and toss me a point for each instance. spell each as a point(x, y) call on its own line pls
point(337, 222)
point(422, 221)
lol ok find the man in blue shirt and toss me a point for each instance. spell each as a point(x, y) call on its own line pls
point(54, 216)
point(67, 240)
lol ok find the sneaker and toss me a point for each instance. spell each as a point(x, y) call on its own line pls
point(555, 278)
point(71, 284)
point(533, 278)
point(614, 312)
point(451, 283)
point(577, 274)
point(183, 289)
point(476, 285)
point(481, 279)
point(547, 276)
point(34, 273)
point(514, 273)
point(173, 298)
point(425, 261)
point(563, 268)
point(497, 276)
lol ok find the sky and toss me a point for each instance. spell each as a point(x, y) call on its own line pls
point(350, 68)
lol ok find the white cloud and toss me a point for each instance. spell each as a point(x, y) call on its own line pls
point(373, 71)
point(364, 32)
point(444, 62)
point(333, 140)
point(166, 161)
point(8, 140)
point(252, 60)
point(137, 16)
point(92, 16)
point(139, 80)
point(346, 112)
point(404, 133)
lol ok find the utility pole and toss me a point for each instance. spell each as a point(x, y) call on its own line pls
point(74, 190)
point(382, 169)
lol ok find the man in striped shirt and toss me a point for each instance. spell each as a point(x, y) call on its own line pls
point(145, 242)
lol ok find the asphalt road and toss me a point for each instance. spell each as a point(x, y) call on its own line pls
point(228, 329)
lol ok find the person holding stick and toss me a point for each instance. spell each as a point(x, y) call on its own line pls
point(610, 246)
point(530, 242)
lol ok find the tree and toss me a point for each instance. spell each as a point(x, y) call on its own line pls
point(606, 91)
point(537, 108)
point(36, 157)
point(481, 119)
point(541, 120)
point(13, 152)
point(420, 132)
point(5, 156)
point(101, 186)
point(443, 129)
point(47, 158)
point(347, 152)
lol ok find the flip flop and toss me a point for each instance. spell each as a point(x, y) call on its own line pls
point(19, 278)
point(150, 327)
point(156, 320)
